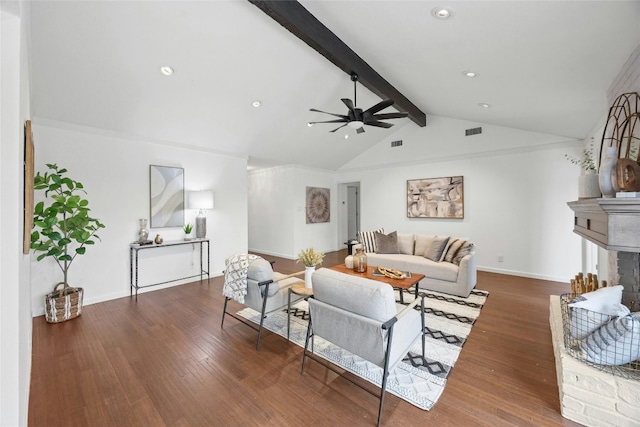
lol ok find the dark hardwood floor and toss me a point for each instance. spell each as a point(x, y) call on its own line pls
point(165, 361)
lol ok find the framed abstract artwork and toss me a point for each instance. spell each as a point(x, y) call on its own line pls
point(435, 197)
point(166, 186)
point(318, 205)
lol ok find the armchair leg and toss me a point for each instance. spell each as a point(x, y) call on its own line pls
point(224, 311)
point(306, 345)
point(262, 316)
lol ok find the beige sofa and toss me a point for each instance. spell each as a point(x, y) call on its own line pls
point(448, 263)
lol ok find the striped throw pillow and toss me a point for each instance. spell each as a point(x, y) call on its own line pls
point(368, 239)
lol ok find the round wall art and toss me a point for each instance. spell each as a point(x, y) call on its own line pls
point(318, 207)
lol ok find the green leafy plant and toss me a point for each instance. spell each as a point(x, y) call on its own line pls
point(188, 228)
point(586, 162)
point(310, 257)
point(62, 229)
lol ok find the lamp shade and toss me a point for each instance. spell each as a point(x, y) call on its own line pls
point(200, 200)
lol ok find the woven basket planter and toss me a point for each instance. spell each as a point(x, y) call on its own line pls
point(63, 304)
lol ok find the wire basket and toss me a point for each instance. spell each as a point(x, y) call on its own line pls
point(607, 343)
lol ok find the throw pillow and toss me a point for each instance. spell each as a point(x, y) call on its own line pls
point(386, 243)
point(615, 343)
point(368, 239)
point(406, 243)
point(454, 246)
point(422, 243)
point(434, 250)
point(464, 250)
point(591, 310)
point(583, 322)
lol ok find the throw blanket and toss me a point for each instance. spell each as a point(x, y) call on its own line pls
point(235, 276)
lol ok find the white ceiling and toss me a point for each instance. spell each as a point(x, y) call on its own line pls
point(544, 66)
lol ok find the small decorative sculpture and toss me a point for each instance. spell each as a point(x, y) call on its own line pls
point(158, 239)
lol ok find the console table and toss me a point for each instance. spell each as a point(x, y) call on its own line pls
point(135, 248)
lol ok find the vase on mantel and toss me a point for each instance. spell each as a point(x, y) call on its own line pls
point(589, 185)
point(308, 271)
point(606, 173)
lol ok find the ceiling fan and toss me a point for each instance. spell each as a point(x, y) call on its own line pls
point(356, 118)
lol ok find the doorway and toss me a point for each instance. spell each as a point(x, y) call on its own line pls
point(350, 211)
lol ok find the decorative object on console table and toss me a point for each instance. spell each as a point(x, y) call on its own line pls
point(158, 239)
point(188, 228)
point(167, 196)
point(143, 233)
point(435, 197)
point(201, 200)
point(62, 230)
point(310, 258)
point(360, 261)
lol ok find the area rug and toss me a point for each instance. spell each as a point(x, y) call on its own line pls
point(448, 321)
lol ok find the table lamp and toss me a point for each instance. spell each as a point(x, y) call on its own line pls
point(200, 200)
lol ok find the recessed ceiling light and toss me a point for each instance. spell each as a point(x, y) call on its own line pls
point(346, 136)
point(469, 73)
point(256, 104)
point(166, 70)
point(442, 13)
point(484, 105)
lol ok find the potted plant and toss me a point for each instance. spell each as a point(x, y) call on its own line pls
point(310, 258)
point(62, 230)
point(588, 183)
point(188, 229)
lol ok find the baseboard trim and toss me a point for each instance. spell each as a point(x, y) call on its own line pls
point(523, 274)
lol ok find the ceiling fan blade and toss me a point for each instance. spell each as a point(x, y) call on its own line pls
point(331, 121)
point(337, 115)
point(379, 106)
point(348, 103)
point(338, 128)
point(387, 116)
point(379, 124)
point(360, 130)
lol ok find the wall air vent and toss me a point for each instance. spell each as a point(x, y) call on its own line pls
point(474, 131)
point(397, 143)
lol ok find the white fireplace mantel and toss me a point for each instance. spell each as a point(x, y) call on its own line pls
point(613, 224)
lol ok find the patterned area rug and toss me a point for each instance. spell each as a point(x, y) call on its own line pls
point(448, 321)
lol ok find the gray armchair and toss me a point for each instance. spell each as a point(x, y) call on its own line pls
point(267, 292)
point(361, 316)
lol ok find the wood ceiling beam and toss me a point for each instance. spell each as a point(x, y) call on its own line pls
point(299, 21)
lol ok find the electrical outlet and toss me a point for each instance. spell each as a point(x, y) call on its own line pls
point(500, 258)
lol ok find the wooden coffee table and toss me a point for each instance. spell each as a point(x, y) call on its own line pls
point(400, 284)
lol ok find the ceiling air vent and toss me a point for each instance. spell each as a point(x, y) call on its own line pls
point(396, 143)
point(474, 131)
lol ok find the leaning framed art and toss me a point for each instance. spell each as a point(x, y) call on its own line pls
point(166, 186)
point(435, 197)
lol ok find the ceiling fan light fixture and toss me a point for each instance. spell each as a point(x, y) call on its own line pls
point(309, 124)
point(355, 124)
point(442, 13)
point(256, 104)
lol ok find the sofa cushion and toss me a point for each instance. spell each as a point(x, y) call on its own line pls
point(368, 239)
point(386, 243)
point(435, 249)
point(406, 244)
point(415, 264)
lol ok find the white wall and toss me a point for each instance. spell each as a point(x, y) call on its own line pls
point(277, 203)
point(15, 313)
point(114, 170)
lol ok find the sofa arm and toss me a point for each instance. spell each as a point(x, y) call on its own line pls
point(467, 273)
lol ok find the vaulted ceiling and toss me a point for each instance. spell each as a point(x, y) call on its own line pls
point(543, 66)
